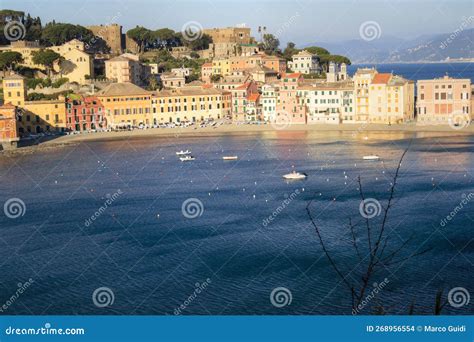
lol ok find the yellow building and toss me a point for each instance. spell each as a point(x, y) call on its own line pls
point(14, 90)
point(362, 81)
point(126, 105)
point(191, 104)
point(391, 99)
point(77, 65)
point(221, 66)
point(36, 116)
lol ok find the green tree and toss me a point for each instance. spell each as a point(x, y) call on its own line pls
point(201, 43)
point(317, 50)
point(142, 36)
point(9, 59)
point(216, 78)
point(270, 44)
point(289, 51)
point(153, 83)
point(47, 58)
point(59, 33)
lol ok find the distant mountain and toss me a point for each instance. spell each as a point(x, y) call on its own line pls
point(427, 48)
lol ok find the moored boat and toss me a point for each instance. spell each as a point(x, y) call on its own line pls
point(295, 175)
point(187, 158)
point(183, 153)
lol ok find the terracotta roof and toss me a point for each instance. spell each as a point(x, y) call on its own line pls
point(381, 78)
point(207, 65)
point(8, 106)
point(122, 89)
point(292, 75)
point(253, 97)
point(243, 86)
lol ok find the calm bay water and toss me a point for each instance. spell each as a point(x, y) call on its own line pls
point(422, 71)
point(151, 256)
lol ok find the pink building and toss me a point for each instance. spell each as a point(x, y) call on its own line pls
point(206, 72)
point(240, 96)
point(443, 101)
point(289, 108)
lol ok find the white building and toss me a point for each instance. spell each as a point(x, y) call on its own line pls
point(305, 62)
point(328, 103)
point(184, 72)
point(337, 72)
point(268, 101)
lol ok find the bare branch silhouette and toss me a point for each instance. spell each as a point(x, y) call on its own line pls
point(378, 242)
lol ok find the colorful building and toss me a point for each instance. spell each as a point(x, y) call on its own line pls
point(206, 72)
point(126, 105)
point(305, 62)
point(8, 127)
point(190, 104)
point(34, 116)
point(76, 65)
point(362, 80)
point(391, 99)
point(240, 96)
point(445, 100)
point(127, 68)
point(289, 108)
point(172, 80)
point(268, 102)
point(84, 113)
point(328, 102)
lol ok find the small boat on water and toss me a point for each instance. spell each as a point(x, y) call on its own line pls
point(371, 157)
point(230, 157)
point(187, 158)
point(183, 153)
point(295, 175)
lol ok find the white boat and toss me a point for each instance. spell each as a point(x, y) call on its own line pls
point(187, 158)
point(295, 175)
point(230, 157)
point(371, 157)
point(183, 153)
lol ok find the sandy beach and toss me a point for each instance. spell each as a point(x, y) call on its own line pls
point(253, 129)
point(228, 129)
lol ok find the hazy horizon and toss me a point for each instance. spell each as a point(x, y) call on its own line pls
point(300, 21)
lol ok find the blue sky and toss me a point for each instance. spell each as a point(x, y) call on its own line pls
point(300, 21)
